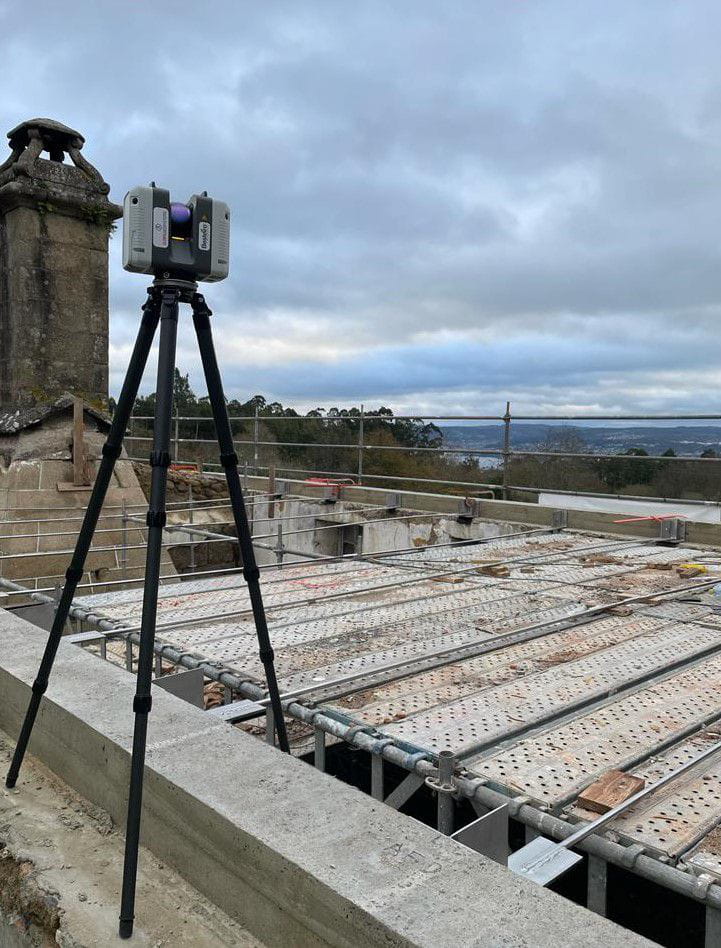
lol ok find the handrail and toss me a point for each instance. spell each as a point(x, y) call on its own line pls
point(502, 457)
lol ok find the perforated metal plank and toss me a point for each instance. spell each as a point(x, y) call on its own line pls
point(290, 575)
point(415, 637)
point(493, 715)
point(551, 545)
point(384, 704)
point(184, 600)
point(706, 856)
point(673, 819)
point(571, 573)
point(384, 671)
point(310, 644)
point(326, 619)
point(650, 552)
point(289, 605)
point(554, 766)
point(339, 617)
point(685, 611)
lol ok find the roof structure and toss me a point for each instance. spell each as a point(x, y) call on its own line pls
point(541, 660)
point(18, 419)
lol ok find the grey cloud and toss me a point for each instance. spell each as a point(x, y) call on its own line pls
point(520, 170)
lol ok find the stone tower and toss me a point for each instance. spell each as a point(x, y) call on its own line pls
point(55, 220)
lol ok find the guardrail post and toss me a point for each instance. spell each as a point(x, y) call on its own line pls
point(319, 758)
point(271, 491)
point(506, 450)
point(597, 885)
point(279, 546)
point(176, 439)
point(124, 550)
point(713, 927)
point(255, 442)
point(360, 445)
point(190, 520)
point(444, 786)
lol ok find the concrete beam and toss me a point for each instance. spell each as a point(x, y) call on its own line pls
point(296, 856)
point(516, 512)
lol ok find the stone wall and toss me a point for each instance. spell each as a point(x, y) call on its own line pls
point(55, 218)
point(182, 488)
point(41, 511)
point(53, 307)
point(182, 483)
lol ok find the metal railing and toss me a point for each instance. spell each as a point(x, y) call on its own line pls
point(506, 453)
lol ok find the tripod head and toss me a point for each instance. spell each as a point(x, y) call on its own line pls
point(187, 242)
point(187, 290)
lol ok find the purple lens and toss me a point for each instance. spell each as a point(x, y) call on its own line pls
point(179, 213)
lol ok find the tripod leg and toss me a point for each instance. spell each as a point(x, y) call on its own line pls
point(111, 451)
point(229, 460)
point(159, 460)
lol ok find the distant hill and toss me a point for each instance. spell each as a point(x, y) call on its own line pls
point(655, 439)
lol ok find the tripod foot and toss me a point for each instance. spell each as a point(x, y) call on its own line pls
point(125, 928)
point(10, 782)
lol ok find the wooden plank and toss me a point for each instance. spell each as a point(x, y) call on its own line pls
point(608, 791)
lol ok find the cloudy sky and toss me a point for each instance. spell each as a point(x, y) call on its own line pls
point(436, 206)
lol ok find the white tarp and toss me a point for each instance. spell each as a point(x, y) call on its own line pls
point(632, 508)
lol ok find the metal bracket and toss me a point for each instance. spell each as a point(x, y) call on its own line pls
point(469, 509)
point(672, 530)
point(393, 502)
point(237, 711)
point(542, 860)
point(443, 781)
point(488, 835)
point(439, 785)
point(559, 519)
point(89, 638)
point(187, 685)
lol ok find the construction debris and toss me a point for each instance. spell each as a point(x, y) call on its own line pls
point(497, 570)
point(611, 789)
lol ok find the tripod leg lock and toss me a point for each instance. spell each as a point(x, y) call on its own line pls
point(159, 459)
point(73, 575)
point(142, 704)
point(39, 687)
point(199, 306)
point(112, 451)
point(266, 655)
point(156, 518)
point(229, 460)
point(251, 574)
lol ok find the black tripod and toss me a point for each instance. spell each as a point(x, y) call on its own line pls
point(162, 304)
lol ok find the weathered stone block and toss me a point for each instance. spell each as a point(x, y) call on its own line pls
point(54, 224)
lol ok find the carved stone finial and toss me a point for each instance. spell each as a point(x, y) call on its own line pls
point(53, 135)
point(55, 221)
point(30, 139)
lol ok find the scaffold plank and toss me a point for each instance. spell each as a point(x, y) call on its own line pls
point(552, 767)
point(493, 716)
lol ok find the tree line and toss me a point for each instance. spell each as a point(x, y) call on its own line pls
point(268, 434)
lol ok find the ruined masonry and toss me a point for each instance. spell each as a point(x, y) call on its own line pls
point(55, 222)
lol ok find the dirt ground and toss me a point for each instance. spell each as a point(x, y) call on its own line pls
point(60, 872)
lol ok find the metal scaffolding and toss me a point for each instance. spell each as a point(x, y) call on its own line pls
point(504, 454)
point(512, 669)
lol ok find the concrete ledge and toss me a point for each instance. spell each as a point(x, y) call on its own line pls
point(297, 857)
point(511, 511)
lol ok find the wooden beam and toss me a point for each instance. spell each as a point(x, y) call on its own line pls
point(608, 791)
